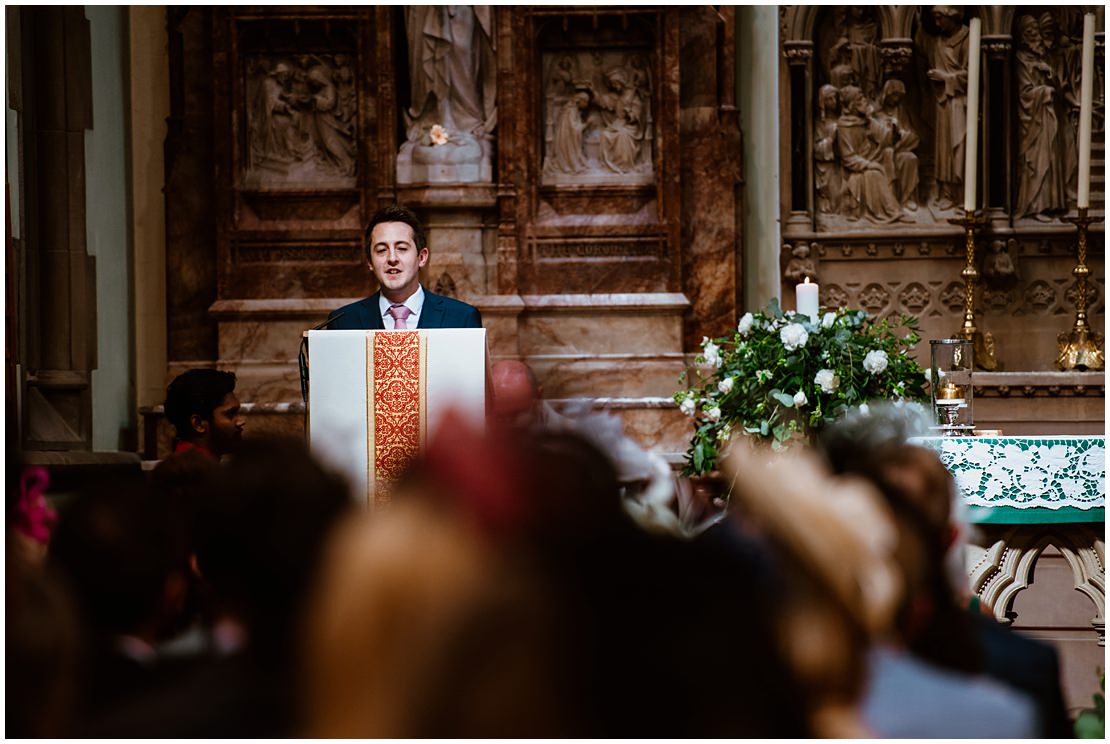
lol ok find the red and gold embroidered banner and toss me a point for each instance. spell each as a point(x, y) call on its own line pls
point(396, 407)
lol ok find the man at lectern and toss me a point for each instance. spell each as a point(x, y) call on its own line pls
point(396, 247)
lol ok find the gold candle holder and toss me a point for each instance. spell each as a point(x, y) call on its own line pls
point(1080, 348)
point(983, 343)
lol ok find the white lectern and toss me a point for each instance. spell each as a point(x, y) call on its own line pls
point(376, 396)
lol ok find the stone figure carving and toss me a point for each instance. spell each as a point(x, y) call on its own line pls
point(453, 75)
point(897, 136)
point(330, 120)
point(861, 34)
point(999, 270)
point(800, 265)
point(1065, 60)
point(622, 113)
point(301, 118)
point(597, 113)
point(567, 154)
point(947, 69)
point(826, 168)
point(1040, 175)
point(868, 168)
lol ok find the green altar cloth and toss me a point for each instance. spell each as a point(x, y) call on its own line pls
point(1027, 480)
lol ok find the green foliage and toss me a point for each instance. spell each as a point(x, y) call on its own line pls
point(1091, 723)
point(780, 376)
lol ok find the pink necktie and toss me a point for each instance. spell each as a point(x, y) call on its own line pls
point(400, 314)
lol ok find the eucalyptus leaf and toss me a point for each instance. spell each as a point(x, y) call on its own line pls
point(786, 400)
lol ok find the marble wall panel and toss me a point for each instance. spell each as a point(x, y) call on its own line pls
point(616, 375)
point(575, 333)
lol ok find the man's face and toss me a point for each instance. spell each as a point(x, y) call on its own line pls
point(395, 260)
point(226, 427)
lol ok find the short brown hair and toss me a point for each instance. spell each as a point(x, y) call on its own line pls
point(395, 213)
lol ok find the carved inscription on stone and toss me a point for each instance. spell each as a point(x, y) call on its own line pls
point(597, 114)
point(603, 249)
point(277, 253)
point(301, 116)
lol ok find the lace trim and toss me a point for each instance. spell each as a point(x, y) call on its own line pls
point(1026, 472)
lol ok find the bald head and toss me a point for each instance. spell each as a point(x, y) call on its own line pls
point(516, 393)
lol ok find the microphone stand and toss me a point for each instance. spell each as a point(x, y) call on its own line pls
point(302, 362)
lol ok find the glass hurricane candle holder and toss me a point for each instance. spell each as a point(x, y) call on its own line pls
point(951, 364)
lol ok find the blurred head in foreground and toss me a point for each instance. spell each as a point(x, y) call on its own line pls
point(505, 593)
point(923, 499)
point(834, 542)
point(259, 534)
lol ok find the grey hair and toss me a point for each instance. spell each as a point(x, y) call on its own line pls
point(864, 433)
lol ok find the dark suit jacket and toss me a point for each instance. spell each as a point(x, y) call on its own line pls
point(1027, 665)
point(438, 312)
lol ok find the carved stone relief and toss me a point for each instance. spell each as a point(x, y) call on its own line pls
point(915, 297)
point(301, 116)
point(874, 298)
point(1047, 76)
point(597, 114)
point(1040, 296)
point(452, 111)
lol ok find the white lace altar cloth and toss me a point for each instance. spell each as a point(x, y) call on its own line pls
point(1026, 472)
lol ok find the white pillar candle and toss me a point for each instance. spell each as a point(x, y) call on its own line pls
point(971, 144)
point(1086, 95)
point(806, 301)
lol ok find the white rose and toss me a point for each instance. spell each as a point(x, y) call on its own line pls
point(827, 380)
point(828, 320)
point(793, 336)
point(713, 414)
point(800, 399)
point(864, 410)
point(725, 386)
point(745, 324)
point(875, 361)
point(712, 353)
point(688, 406)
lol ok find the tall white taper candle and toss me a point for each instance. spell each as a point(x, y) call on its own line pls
point(971, 144)
point(1086, 95)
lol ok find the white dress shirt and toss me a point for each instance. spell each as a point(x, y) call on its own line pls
point(415, 303)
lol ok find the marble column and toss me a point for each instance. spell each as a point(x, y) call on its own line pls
point(757, 44)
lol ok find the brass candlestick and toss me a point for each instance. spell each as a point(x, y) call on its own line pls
point(1080, 348)
point(983, 343)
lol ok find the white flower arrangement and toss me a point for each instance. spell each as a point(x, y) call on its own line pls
point(779, 378)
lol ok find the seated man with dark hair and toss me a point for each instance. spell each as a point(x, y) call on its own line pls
point(396, 249)
point(202, 406)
